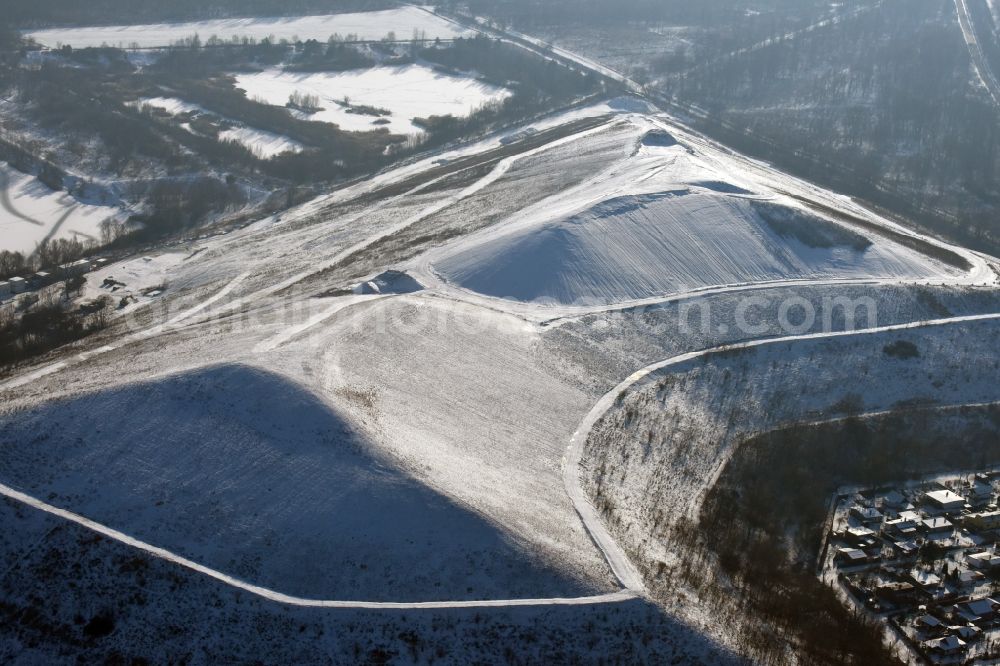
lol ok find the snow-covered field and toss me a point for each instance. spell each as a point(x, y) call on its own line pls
point(365, 25)
point(267, 482)
point(495, 445)
point(168, 610)
point(172, 105)
point(264, 144)
point(30, 212)
point(406, 92)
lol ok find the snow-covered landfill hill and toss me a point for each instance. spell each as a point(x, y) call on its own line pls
point(670, 219)
point(377, 401)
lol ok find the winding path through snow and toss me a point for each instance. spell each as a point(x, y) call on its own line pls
point(616, 557)
point(206, 311)
point(618, 560)
point(979, 61)
point(280, 597)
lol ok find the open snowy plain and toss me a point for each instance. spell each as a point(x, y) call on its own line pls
point(298, 425)
point(403, 22)
point(30, 213)
point(262, 143)
point(399, 93)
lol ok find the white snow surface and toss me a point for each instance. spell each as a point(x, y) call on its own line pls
point(449, 404)
point(30, 212)
point(365, 25)
point(663, 223)
point(138, 274)
point(241, 470)
point(172, 105)
point(262, 143)
point(407, 91)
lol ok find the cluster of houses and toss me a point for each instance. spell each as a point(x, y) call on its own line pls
point(926, 559)
point(20, 285)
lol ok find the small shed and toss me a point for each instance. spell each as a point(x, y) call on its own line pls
point(851, 556)
point(929, 621)
point(866, 514)
point(18, 285)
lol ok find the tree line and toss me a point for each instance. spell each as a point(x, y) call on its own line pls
point(109, 12)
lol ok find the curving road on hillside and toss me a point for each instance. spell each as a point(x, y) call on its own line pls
point(272, 595)
point(617, 557)
point(620, 564)
point(979, 61)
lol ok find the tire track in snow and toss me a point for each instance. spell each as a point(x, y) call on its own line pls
point(58, 225)
point(187, 314)
point(836, 19)
point(502, 167)
point(294, 331)
point(8, 205)
point(619, 561)
point(500, 170)
point(171, 325)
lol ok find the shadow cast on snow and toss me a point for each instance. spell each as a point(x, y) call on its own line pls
point(246, 472)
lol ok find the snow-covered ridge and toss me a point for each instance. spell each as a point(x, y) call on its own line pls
point(172, 105)
point(666, 221)
point(262, 143)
